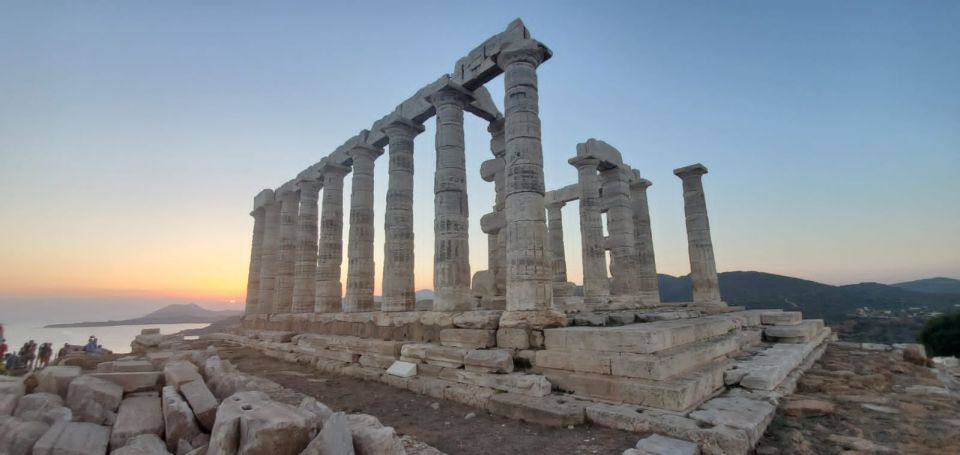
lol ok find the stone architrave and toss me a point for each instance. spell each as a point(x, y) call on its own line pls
point(596, 286)
point(622, 239)
point(259, 215)
point(269, 258)
point(529, 284)
point(305, 268)
point(360, 266)
point(330, 250)
point(289, 208)
point(703, 266)
point(649, 289)
point(451, 254)
point(558, 261)
point(399, 293)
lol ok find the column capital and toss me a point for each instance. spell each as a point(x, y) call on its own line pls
point(334, 170)
point(528, 50)
point(364, 151)
point(693, 170)
point(263, 198)
point(399, 127)
point(497, 125)
point(641, 183)
point(450, 93)
point(309, 186)
point(555, 205)
point(581, 162)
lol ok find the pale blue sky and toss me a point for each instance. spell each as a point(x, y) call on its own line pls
point(133, 135)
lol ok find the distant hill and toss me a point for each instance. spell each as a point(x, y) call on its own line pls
point(939, 285)
point(187, 313)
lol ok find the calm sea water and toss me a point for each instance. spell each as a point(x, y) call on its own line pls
point(116, 338)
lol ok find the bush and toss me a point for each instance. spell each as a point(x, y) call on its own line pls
point(941, 335)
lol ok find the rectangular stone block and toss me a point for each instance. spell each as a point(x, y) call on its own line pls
point(525, 384)
point(134, 382)
point(513, 338)
point(402, 369)
point(469, 395)
point(488, 361)
point(341, 356)
point(657, 444)
point(179, 372)
point(376, 361)
point(131, 366)
point(674, 361)
point(554, 411)
point(749, 416)
point(644, 338)
point(582, 361)
point(797, 333)
point(468, 338)
point(82, 438)
point(202, 401)
point(781, 318)
point(433, 387)
point(446, 356)
point(137, 415)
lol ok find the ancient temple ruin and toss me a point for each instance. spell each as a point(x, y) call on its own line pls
point(515, 338)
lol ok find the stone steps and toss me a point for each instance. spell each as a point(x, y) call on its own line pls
point(802, 332)
point(680, 393)
point(643, 338)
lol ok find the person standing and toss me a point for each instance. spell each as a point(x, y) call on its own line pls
point(43, 358)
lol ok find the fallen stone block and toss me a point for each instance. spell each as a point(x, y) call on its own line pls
point(225, 436)
point(144, 444)
point(18, 436)
point(178, 419)
point(468, 338)
point(656, 444)
point(131, 366)
point(802, 332)
point(134, 382)
point(180, 372)
point(82, 438)
point(318, 409)
point(94, 400)
point(56, 379)
point(525, 384)
point(376, 361)
point(202, 401)
point(137, 416)
point(272, 428)
point(555, 411)
point(488, 361)
point(159, 358)
point(334, 439)
point(402, 369)
point(749, 416)
point(10, 394)
point(42, 407)
point(370, 437)
point(781, 318)
point(44, 445)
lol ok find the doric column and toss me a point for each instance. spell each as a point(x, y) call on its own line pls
point(289, 208)
point(268, 258)
point(451, 254)
point(498, 148)
point(621, 242)
point(558, 261)
point(596, 286)
point(398, 288)
point(529, 286)
point(703, 266)
point(647, 265)
point(330, 248)
point(360, 265)
point(305, 269)
point(259, 215)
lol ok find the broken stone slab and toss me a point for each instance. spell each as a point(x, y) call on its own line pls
point(525, 384)
point(44, 445)
point(445, 356)
point(656, 444)
point(469, 395)
point(402, 369)
point(781, 318)
point(18, 436)
point(56, 379)
point(178, 419)
point(82, 438)
point(749, 416)
point(137, 416)
point(42, 407)
point(552, 410)
point(94, 400)
point(202, 401)
point(135, 381)
point(318, 409)
point(334, 439)
point(644, 338)
point(468, 338)
point(802, 332)
point(144, 444)
point(273, 428)
point(10, 394)
point(180, 372)
point(488, 361)
point(370, 437)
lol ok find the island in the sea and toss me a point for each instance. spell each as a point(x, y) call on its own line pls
point(187, 313)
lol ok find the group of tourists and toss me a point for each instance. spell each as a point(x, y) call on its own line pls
point(32, 356)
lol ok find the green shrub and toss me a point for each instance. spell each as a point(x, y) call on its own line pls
point(941, 335)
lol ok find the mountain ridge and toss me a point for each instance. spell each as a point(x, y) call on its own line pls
point(177, 313)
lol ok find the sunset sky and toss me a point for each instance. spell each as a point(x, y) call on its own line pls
point(134, 135)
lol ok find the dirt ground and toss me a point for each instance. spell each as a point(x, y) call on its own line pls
point(881, 404)
point(451, 427)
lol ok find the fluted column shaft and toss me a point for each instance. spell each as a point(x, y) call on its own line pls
point(305, 268)
point(289, 208)
point(497, 244)
point(269, 258)
point(529, 286)
point(253, 277)
point(451, 254)
point(596, 286)
point(330, 246)
point(399, 293)
point(360, 265)
point(621, 242)
point(558, 261)
point(647, 265)
point(703, 266)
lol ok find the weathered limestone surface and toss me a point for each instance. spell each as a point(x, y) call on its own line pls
point(82, 438)
point(656, 444)
point(259, 215)
point(180, 372)
point(781, 318)
point(17, 436)
point(137, 416)
point(596, 286)
point(524, 384)
point(269, 258)
point(360, 268)
point(305, 267)
point(647, 265)
point(202, 401)
point(10, 394)
point(750, 416)
point(638, 338)
point(330, 252)
point(468, 338)
point(42, 407)
point(398, 285)
point(370, 437)
point(178, 419)
point(488, 361)
point(622, 239)
point(133, 382)
point(551, 410)
point(56, 379)
point(800, 332)
point(94, 400)
point(144, 444)
point(289, 206)
point(703, 266)
point(334, 438)
point(44, 445)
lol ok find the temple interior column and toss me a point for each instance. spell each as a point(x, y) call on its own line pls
point(647, 265)
point(498, 148)
point(703, 267)
point(360, 265)
point(289, 208)
point(268, 258)
point(259, 215)
point(621, 241)
point(305, 269)
point(330, 246)
point(558, 261)
point(596, 285)
point(451, 255)
point(399, 293)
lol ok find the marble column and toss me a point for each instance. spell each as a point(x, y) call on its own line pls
point(305, 268)
point(529, 284)
point(451, 254)
point(558, 261)
point(399, 293)
point(703, 266)
point(596, 286)
point(498, 242)
point(289, 208)
point(330, 247)
point(268, 258)
point(622, 239)
point(647, 265)
point(259, 215)
point(360, 265)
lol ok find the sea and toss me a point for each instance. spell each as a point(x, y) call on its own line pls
point(115, 338)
